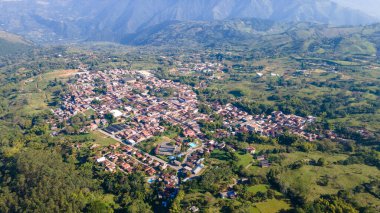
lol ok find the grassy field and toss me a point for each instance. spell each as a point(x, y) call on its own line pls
point(290, 158)
point(339, 177)
point(35, 102)
point(263, 147)
point(308, 178)
point(295, 156)
point(369, 121)
point(245, 159)
point(94, 137)
point(211, 203)
point(32, 90)
point(258, 188)
point(366, 199)
point(102, 139)
point(60, 74)
point(273, 206)
point(220, 155)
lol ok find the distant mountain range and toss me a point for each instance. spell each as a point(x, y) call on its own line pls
point(267, 37)
point(370, 7)
point(115, 20)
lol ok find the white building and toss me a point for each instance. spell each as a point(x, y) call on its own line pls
point(116, 113)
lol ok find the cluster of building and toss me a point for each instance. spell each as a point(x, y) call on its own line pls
point(142, 106)
point(204, 68)
point(193, 163)
point(133, 97)
point(269, 125)
point(129, 159)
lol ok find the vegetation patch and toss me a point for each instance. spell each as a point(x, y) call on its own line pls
point(273, 205)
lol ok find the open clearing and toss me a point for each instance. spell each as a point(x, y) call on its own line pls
point(273, 206)
point(258, 188)
point(32, 90)
point(339, 177)
point(102, 139)
point(60, 74)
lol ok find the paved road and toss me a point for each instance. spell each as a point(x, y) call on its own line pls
point(151, 156)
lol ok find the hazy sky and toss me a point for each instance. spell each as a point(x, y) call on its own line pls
point(371, 7)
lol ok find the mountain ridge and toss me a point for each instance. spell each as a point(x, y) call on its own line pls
point(263, 35)
point(55, 20)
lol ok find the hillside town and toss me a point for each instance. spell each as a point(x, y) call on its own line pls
point(135, 106)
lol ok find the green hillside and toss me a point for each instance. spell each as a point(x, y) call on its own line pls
point(265, 36)
point(11, 43)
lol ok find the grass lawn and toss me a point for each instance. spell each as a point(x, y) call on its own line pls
point(94, 137)
point(245, 159)
point(264, 147)
point(258, 188)
point(102, 139)
point(272, 206)
point(220, 155)
point(253, 209)
point(196, 197)
point(257, 170)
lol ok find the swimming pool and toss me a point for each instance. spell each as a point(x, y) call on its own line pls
point(192, 145)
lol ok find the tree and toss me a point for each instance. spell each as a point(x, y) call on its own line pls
point(110, 118)
point(98, 206)
point(176, 205)
point(306, 146)
point(41, 181)
point(96, 102)
point(332, 204)
point(288, 139)
point(321, 162)
point(271, 193)
point(139, 206)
